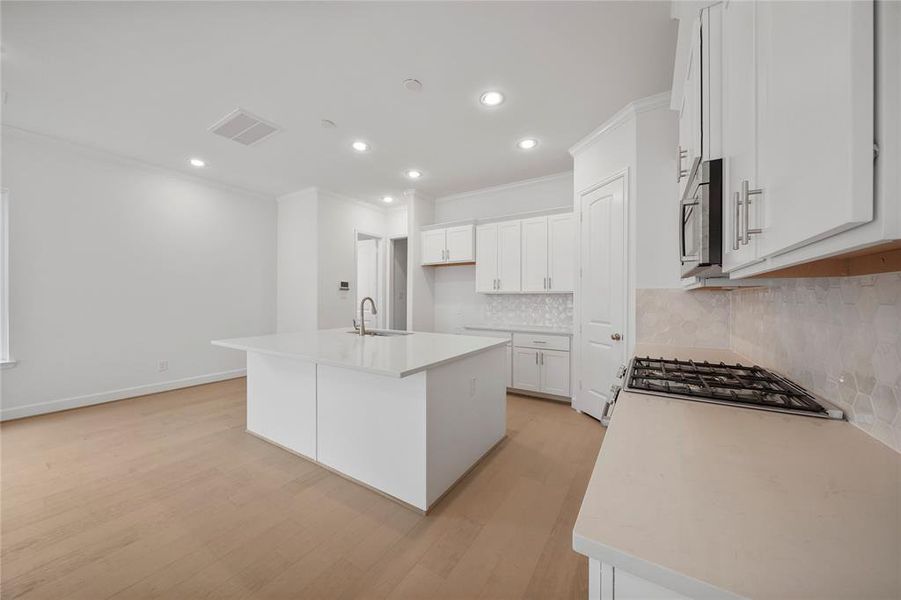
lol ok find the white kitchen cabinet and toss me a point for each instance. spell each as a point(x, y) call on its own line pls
point(815, 97)
point(690, 137)
point(534, 254)
point(561, 252)
point(460, 244)
point(554, 372)
point(548, 259)
point(498, 257)
point(509, 366)
point(606, 582)
point(541, 364)
point(739, 135)
point(526, 370)
point(447, 245)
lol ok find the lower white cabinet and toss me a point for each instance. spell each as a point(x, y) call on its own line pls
point(606, 582)
point(509, 366)
point(538, 367)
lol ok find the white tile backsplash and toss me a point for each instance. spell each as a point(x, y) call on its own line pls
point(675, 317)
point(547, 310)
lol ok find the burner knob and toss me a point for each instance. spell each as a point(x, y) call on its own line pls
point(615, 337)
point(621, 372)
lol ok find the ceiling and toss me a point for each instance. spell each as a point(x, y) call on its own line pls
point(147, 79)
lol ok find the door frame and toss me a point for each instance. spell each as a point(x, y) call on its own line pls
point(628, 289)
point(389, 274)
point(380, 276)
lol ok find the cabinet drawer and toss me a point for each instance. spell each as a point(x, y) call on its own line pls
point(537, 340)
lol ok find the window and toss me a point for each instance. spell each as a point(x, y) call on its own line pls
point(5, 359)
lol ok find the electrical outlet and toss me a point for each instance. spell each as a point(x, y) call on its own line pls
point(164, 365)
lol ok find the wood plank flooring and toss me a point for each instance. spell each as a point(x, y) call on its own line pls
point(166, 496)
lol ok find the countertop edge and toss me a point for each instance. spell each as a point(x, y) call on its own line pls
point(342, 365)
point(521, 329)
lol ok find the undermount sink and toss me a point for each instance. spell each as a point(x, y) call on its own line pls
point(382, 332)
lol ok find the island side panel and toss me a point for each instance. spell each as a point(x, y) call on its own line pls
point(372, 428)
point(467, 415)
point(281, 401)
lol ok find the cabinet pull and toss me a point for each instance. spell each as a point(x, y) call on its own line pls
point(498, 283)
point(536, 357)
point(680, 172)
point(746, 194)
point(542, 357)
point(549, 285)
point(736, 218)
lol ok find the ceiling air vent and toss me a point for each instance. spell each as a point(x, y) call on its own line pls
point(243, 127)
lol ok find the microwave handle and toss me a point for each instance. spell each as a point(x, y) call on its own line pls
point(682, 256)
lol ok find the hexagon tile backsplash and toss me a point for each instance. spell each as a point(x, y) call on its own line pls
point(551, 310)
point(838, 337)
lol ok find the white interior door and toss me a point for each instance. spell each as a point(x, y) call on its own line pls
point(508, 256)
point(561, 259)
point(368, 277)
point(526, 370)
point(534, 254)
point(603, 288)
point(486, 258)
point(433, 246)
point(459, 244)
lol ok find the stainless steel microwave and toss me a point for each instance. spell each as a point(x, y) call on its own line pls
point(701, 220)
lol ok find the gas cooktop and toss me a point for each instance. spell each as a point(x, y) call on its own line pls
point(735, 385)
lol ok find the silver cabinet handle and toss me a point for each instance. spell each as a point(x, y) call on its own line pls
point(615, 337)
point(549, 285)
point(746, 194)
point(538, 342)
point(542, 357)
point(498, 283)
point(536, 357)
point(736, 218)
point(680, 172)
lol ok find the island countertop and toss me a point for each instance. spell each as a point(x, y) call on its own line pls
point(393, 356)
point(714, 501)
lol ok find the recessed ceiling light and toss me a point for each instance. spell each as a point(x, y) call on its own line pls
point(491, 98)
point(413, 174)
point(196, 162)
point(527, 143)
point(414, 85)
point(387, 199)
point(360, 146)
point(327, 124)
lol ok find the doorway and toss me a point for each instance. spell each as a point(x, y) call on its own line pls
point(369, 277)
point(397, 293)
point(603, 284)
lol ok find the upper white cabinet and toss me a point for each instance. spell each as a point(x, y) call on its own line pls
point(815, 64)
point(447, 245)
point(690, 137)
point(548, 257)
point(498, 257)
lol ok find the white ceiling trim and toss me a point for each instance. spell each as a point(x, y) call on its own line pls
point(506, 186)
point(623, 115)
point(103, 154)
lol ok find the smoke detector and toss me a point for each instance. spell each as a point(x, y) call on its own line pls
point(414, 85)
point(243, 127)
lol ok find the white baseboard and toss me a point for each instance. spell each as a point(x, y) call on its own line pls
point(40, 408)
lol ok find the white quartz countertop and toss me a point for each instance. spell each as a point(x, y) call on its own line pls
point(722, 502)
point(394, 356)
point(520, 328)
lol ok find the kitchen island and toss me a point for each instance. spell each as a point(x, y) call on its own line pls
point(404, 413)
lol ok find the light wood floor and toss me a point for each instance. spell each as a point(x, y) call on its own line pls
point(167, 496)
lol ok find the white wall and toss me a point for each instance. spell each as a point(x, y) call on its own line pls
point(339, 217)
point(116, 265)
point(420, 280)
point(397, 222)
point(529, 195)
point(298, 261)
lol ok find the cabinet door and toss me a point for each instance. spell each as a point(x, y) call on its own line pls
point(629, 587)
point(534, 254)
point(815, 113)
point(690, 110)
point(712, 82)
point(739, 132)
point(433, 246)
point(561, 259)
point(526, 370)
point(554, 372)
point(508, 256)
point(459, 244)
point(486, 258)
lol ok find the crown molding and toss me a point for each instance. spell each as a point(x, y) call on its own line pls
point(350, 200)
point(506, 186)
point(625, 114)
point(100, 153)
